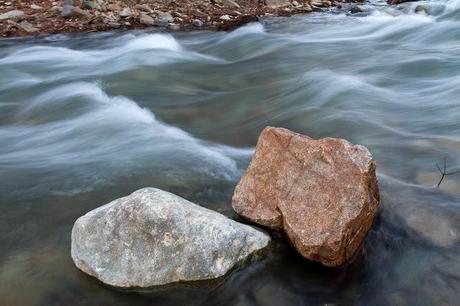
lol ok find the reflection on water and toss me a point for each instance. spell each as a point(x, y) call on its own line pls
point(89, 118)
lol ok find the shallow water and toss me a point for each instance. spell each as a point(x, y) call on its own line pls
point(85, 119)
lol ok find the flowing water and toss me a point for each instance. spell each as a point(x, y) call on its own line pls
point(85, 119)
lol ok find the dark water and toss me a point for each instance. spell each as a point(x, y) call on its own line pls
point(86, 119)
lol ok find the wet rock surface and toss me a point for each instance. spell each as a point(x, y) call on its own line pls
point(392, 2)
point(153, 237)
point(50, 17)
point(322, 193)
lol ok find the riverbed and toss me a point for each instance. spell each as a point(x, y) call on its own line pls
point(88, 118)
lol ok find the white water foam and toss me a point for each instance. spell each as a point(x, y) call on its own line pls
point(115, 130)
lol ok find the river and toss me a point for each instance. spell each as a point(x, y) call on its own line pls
point(88, 118)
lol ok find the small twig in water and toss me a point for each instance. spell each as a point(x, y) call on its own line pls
point(444, 171)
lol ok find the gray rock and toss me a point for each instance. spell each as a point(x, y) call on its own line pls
point(114, 24)
point(307, 8)
point(277, 3)
point(11, 14)
point(66, 10)
point(142, 7)
point(89, 4)
point(125, 13)
point(355, 9)
point(153, 237)
point(197, 23)
point(27, 26)
point(231, 3)
point(72, 11)
point(36, 7)
point(163, 18)
point(146, 19)
point(174, 27)
point(421, 9)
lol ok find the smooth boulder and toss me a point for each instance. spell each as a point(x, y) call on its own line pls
point(322, 193)
point(153, 237)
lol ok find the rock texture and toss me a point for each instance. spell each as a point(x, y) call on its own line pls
point(153, 237)
point(322, 193)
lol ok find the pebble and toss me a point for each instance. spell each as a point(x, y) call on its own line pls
point(276, 3)
point(163, 18)
point(146, 20)
point(355, 9)
point(174, 27)
point(316, 3)
point(231, 3)
point(197, 23)
point(142, 7)
point(420, 9)
point(114, 25)
point(88, 4)
point(36, 7)
point(225, 17)
point(11, 14)
point(69, 11)
point(27, 26)
point(125, 13)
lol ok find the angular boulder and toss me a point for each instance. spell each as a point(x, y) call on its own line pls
point(153, 237)
point(322, 193)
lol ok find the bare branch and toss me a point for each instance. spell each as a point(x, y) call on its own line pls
point(439, 168)
point(444, 172)
point(452, 173)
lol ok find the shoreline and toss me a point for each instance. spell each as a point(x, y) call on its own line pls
point(47, 17)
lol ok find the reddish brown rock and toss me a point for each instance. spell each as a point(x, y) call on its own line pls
point(323, 193)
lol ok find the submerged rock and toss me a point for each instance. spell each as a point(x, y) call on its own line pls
point(153, 237)
point(400, 1)
point(421, 9)
point(322, 193)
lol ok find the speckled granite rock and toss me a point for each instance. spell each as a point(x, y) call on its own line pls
point(153, 237)
point(322, 193)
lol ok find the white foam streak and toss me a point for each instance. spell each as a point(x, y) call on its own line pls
point(154, 49)
point(116, 128)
